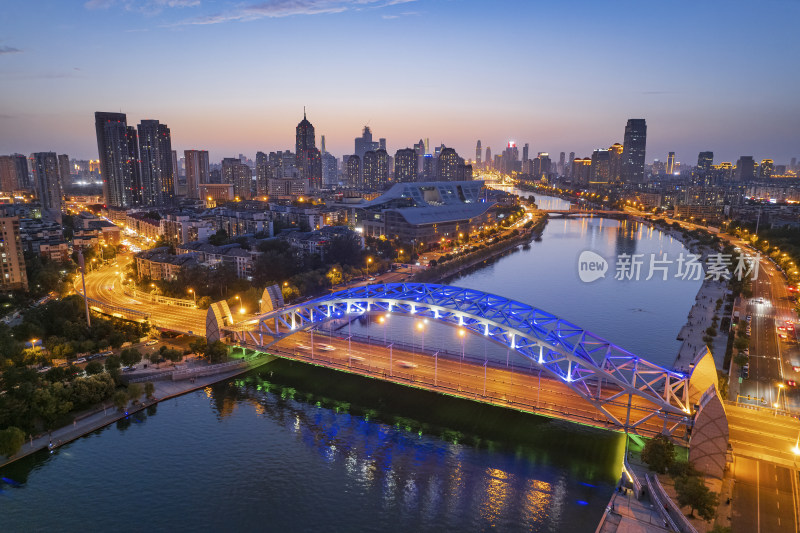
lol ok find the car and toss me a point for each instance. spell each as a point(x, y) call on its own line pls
point(80, 360)
point(129, 368)
point(406, 364)
point(326, 347)
point(302, 346)
point(371, 279)
point(783, 336)
point(781, 328)
point(356, 358)
point(796, 368)
point(106, 353)
point(791, 383)
point(749, 318)
point(151, 342)
point(44, 369)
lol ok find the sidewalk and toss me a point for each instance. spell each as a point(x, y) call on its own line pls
point(108, 414)
point(626, 514)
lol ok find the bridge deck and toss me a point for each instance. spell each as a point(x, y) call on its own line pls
point(517, 387)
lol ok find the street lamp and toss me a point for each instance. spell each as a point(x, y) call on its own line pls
point(194, 296)
point(369, 262)
point(778, 398)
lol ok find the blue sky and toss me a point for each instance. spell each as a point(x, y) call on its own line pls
point(233, 76)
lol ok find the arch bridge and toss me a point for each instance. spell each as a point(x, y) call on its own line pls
point(598, 371)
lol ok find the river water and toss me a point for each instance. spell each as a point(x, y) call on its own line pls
point(286, 448)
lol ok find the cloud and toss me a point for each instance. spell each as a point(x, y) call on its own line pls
point(406, 14)
point(148, 6)
point(9, 50)
point(288, 8)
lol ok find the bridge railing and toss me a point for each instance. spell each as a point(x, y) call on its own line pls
point(667, 507)
point(514, 393)
point(110, 308)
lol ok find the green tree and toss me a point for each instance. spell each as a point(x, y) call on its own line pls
point(135, 391)
point(149, 389)
point(113, 363)
point(741, 359)
point(659, 454)
point(694, 493)
point(219, 238)
point(173, 355)
point(130, 356)
point(198, 345)
point(120, 399)
point(741, 343)
point(11, 440)
point(154, 358)
point(94, 367)
point(216, 352)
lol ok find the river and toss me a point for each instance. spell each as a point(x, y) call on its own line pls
point(288, 448)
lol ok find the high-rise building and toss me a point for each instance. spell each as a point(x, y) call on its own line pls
point(263, 171)
point(236, 173)
point(354, 171)
point(405, 165)
point(671, 163)
point(134, 166)
point(633, 151)
point(9, 180)
point(375, 169)
point(488, 162)
point(12, 269)
point(745, 168)
point(766, 169)
point(449, 163)
point(64, 170)
point(581, 170)
point(48, 184)
point(615, 162)
point(155, 151)
point(308, 158)
point(511, 158)
point(382, 144)
point(364, 143)
point(562, 163)
point(601, 166)
point(525, 153)
point(542, 166)
point(330, 170)
point(478, 153)
point(196, 171)
point(793, 163)
point(705, 160)
point(118, 165)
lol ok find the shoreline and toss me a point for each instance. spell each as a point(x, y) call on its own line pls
point(102, 416)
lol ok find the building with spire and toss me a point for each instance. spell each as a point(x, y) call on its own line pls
point(308, 158)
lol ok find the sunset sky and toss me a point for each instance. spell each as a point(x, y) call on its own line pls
point(233, 76)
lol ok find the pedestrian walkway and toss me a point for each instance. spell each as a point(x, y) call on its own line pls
point(626, 514)
point(107, 414)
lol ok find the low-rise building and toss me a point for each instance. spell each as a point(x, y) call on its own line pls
point(158, 264)
point(232, 254)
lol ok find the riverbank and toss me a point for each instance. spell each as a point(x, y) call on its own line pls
point(704, 311)
point(438, 273)
point(104, 415)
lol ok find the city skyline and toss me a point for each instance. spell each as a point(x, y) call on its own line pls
point(470, 77)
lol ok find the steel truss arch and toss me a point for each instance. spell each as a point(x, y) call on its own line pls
point(594, 368)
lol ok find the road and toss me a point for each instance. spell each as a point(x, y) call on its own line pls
point(518, 386)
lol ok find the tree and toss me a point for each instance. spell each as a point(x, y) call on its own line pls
point(659, 454)
point(135, 391)
point(741, 359)
point(113, 363)
point(198, 345)
point(345, 249)
point(154, 358)
point(149, 389)
point(216, 352)
point(334, 275)
point(120, 399)
point(130, 356)
point(219, 238)
point(173, 355)
point(11, 440)
point(694, 493)
point(94, 367)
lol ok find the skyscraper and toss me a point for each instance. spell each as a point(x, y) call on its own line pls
point(12, 270)
point(364, 143)
point(448, 165)
point(64, 170)
point(330, 170)
point(633, 151)
point(478, 153)
point(488, 157)
point(196, 171)
point(118, 165)
point(155, 151)
point(308, 159)
point(382, 144)
point(405, 165)
point(525, 153)
point(562, 163)
point(353, 171)
point(48, 184)
point(601, 166)
point(704, 161)
point(10, 179)
point(570, 164)
point(745, 168)
point(236, 173)
point(671, 163)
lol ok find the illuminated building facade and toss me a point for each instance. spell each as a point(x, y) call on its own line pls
point(633, 151)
